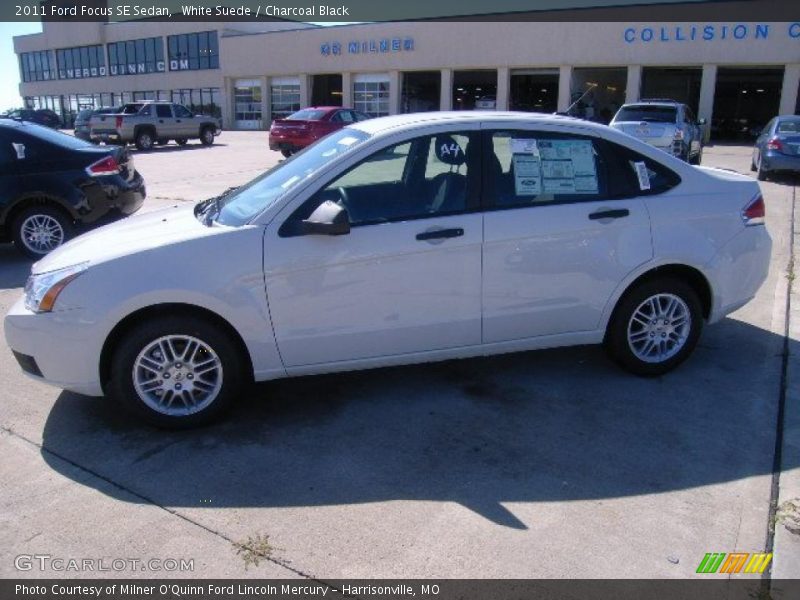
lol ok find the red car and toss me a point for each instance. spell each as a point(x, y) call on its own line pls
point(306, 126)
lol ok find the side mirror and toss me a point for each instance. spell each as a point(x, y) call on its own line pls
point(329, 218)
point(701, 121)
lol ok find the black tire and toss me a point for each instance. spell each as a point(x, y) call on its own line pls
point(286, 153)
point(181, 141)
point(761, 173)
point(697, 158)
point(47, 214)
point(233, 374)
point(207, 136)
point(144, 140)
point(617, 343)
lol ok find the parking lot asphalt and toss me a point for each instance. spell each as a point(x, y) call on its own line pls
point(544, 464)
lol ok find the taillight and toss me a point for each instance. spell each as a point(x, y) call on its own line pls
point(118, 122)
point(775, 144)
point(104, 166)
point(755, 211)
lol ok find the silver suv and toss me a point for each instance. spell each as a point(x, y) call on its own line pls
point(665, 124)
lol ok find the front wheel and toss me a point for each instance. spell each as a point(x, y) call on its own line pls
point(177, 372)
point(144, 140)
point(207, 136)
point(655, 327)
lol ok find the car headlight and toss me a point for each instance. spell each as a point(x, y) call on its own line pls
point(42, 289)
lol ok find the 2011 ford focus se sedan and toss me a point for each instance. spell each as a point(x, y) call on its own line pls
point(397, 240)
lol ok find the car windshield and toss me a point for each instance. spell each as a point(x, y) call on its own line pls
point(249, 200)
point(56, 137)
point(307, 114)
point(647, 112)
point(789, 126)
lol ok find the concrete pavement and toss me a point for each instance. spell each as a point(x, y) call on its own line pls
point(544, 464)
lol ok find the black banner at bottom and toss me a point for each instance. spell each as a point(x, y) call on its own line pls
point(378, 589)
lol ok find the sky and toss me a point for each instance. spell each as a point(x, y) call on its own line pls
point(9, 66)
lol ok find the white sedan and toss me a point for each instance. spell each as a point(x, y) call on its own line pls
point(398, 240)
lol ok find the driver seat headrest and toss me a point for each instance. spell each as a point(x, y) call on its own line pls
point(449, 152)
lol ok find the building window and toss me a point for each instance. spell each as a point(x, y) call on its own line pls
point(193, 51)
point(203, 101)
point(136, 57)
point(247, 103)
point(81, 63)
point(37, 66)
point(371, 94)
point(284, 97)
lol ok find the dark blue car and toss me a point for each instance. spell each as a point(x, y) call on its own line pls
point(778, 147)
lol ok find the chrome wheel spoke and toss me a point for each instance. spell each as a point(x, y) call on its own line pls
point(659, 327)
point(177, 375)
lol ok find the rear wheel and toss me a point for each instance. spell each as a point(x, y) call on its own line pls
point(207, 136)
point(286, 153)
point(144, 140)
point(655, 327)
point(761, 173)
point(39, 230)
point(177, 372)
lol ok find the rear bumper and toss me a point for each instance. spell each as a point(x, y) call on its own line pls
point(105, 136)
point(113, 196)
point(777, 161)
point(282, 142)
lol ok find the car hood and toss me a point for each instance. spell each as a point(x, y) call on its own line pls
point(129, 236)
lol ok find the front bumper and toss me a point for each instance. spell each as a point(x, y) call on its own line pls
point(50, 341)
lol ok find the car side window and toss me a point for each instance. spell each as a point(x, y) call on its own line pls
point(163, 111)
point(337, 117)
point(346, 116)
point(147, 110)
point(181, 111)
point(633, 174)
point(420, 178)
point(528, 168)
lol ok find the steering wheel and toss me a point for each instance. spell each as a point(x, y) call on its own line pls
point(344, 199)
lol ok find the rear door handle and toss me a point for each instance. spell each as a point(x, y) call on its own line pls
point(609, 214)
point(438, 234)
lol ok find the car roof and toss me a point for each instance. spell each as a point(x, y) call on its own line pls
point(654, 102)
point(410, 120)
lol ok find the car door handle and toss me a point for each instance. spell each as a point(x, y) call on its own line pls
point(439, 234)
point(609, 214)
point(161, 120)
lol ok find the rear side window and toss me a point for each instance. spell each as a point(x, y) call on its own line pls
point(523, 168)
point(652, 113)
point(181, 111)
point(633, 174)
point(163, 111)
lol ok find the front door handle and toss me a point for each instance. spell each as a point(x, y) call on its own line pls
point(439, 234)
point(618, 213)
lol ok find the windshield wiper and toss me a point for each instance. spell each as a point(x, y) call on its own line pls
point(210, 208)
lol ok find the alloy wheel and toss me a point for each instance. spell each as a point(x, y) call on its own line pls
point(659, 328)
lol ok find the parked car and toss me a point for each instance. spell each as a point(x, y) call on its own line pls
point(665, 124)
point(148, 123)
point(306, 126)
point(42, 116)
point(778, 147)
point(82, 120)
point(402, 239)
point(53, 184)
point(486, 103)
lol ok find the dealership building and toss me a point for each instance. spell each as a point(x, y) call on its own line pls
point(736, 75)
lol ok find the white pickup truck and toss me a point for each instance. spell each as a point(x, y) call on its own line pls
point(147, 123)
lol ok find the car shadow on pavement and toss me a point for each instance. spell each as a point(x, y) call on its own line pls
point(174, 148)
point(543, 426)
point(14, 267)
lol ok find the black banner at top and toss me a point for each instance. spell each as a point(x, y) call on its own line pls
point(409, 10)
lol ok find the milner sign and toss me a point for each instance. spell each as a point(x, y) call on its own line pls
point(367, 46)
point(709, 33)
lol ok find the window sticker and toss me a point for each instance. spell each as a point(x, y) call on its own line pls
point(643, 174)
point(527, 175)
point(568, 167)
point(524, 146)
